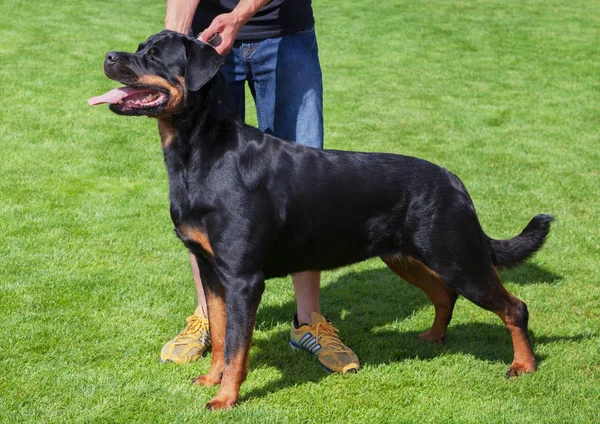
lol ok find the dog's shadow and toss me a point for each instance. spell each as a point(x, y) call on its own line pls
point(363, 306)
point(528, 273)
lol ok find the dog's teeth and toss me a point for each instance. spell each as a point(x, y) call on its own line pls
point(150, 97)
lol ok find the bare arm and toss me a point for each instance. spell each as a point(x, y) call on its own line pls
point(180, 14)
point(228, 25)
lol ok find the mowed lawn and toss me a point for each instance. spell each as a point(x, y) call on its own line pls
point(504, 93)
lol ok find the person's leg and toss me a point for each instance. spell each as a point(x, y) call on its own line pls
point(201, 308)
point(286, 82)
point(194, 340)
point(298, 116)
point(234, 71)
point(306, 287)
point(299, 91)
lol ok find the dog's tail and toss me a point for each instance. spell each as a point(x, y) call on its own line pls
point(507, 253)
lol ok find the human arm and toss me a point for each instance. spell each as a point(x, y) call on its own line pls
point(228, 25)
point(180, 14)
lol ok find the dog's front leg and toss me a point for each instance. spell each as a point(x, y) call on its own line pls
point(242, 298)
point(215, 297)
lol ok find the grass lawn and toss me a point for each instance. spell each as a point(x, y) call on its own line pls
point(93, 282)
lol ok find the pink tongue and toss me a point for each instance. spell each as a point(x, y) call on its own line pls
point(113, 96)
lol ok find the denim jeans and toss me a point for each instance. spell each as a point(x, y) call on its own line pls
point(285, 80)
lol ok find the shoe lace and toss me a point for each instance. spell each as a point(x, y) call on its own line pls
point(195, 325)
point(326, 333)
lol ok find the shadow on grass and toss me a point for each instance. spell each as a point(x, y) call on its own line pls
point(361, 305)
point(529, 273)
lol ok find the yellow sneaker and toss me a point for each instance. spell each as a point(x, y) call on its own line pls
point(190, 344)
point(320, 338)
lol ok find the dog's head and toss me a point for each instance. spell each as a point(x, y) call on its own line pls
point(159, 75)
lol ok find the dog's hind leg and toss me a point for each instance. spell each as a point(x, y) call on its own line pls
point(442, 296)
point(485, 290)
point(515, 317)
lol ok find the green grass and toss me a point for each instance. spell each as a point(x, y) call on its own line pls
point(93, 281)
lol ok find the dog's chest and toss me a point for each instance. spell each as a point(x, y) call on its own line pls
point(188, 213)
point(189, 201)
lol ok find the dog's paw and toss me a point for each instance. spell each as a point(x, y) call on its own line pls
point(208, 380)
point(221, 403)
point(517, 368)
point(433, 336)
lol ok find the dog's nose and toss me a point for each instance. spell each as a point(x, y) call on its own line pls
point(112, 57)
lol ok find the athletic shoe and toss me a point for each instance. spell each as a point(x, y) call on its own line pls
point(190, 344)
point(320, 338)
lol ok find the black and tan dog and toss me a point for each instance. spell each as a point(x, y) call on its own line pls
point(252, 207)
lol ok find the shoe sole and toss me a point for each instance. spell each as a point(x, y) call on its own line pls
point(169, 361)
point(296, 347)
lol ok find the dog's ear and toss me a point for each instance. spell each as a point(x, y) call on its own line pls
point(203, 63)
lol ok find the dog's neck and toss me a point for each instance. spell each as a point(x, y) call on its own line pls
point(197, 125)
point(194, 139)
point(205, 110)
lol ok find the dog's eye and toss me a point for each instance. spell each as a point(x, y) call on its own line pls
point(151, 55)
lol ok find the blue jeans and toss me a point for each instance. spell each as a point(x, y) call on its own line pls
point(285, 80)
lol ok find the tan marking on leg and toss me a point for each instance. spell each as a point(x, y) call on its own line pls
point(236, 369)
point(443, 297)
point(523, 359)
point(198, 236)
point(234, 375)
point(217, 318)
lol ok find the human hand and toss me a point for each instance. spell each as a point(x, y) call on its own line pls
point(228, 26)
